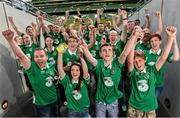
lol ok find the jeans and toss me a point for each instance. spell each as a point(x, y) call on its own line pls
point(158, 91)
point(50, 110)
point(74, 114)
point(112, 109)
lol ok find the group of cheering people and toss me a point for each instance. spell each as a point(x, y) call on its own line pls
point(78, 54)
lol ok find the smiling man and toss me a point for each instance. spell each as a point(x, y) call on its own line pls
point(40, 75)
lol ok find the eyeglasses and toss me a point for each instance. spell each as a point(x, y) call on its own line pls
point(72, 41)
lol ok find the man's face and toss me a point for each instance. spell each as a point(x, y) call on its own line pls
point(155, 43)
point(130, 26)
point(107, 53)
point(101, 28)
point(40, 58)
point(29, 31)
point(139, 63)
point(72, 44)
point(113, 37)
point(56, 29)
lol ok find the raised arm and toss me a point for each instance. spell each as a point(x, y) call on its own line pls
point(18, 32)
point(88, 55)
point(92, 37)
point(8, 34)
point(147, 23)
point(171, 33)
point(60, 65)
point(83, 63)
point(129, 45)
point(124, 21)
point(176, 55)
point(159, 22)
point(130, 60)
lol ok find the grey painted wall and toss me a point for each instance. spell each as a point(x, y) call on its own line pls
point(170, 12)
point(11, 85)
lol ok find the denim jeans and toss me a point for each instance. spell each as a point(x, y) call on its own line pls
point(74, 114)
point(158, 91)
point(112, 109)
point(50, 110)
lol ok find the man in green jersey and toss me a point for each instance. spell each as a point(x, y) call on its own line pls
point(40, 75)
point(154, 53)
point(142, 101)
point(108, 72)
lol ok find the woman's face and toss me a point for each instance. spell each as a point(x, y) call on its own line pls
point(49, 42)
point(75, 72)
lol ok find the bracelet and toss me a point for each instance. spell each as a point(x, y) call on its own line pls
point(124, 19)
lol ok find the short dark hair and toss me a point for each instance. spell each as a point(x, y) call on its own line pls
point(39, 49)
point(106, 44)
point(156, 35)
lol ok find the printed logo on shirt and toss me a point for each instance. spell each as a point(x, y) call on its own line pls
point(56, 41)
point(77, 95)
point(49, 81)
point(108, 81)
point(69, 63)
point(93, 53)
point(151, 63)
point(142, 85)
point(51, 60)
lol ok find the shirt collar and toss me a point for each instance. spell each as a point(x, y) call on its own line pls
point(71, 53)
point(140, 42)
point(144, 70)
point(109, 66)
point(47, 66)
point(53, 48)
point(75, 81)
point(158, 53)
point(28, 45)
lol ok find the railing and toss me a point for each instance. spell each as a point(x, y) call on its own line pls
point(139, 5)
point(19, 4)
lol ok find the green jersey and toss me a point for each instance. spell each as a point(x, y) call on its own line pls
point(118, 48)
point(58, 38)
point(151, 59)
point(52, 56)
point(69, 57)
point(41, 81)
point(108, 81)
point(29, 50)
point(141, 46)
point(99, 36)
point(142, 95)
point(77, 100)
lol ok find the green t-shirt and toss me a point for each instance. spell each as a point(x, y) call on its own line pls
point(58, 38)
point(52, 56)
point(41, 81)
point(77, 100)
point(118, 48)
point(99, 36)
point(141, 46)
point(151, 59)
point(142, 96)
point(69, 58)
point(108, 81)
point(29, 50)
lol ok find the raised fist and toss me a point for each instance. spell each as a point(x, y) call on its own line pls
point(171, 31)
point(8, 34)
point(157, 13)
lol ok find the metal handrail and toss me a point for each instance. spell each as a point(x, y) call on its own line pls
point(138, 6)
point(19, 4)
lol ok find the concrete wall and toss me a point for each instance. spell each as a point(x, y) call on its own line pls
point(169, 9)
point(11, 85)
